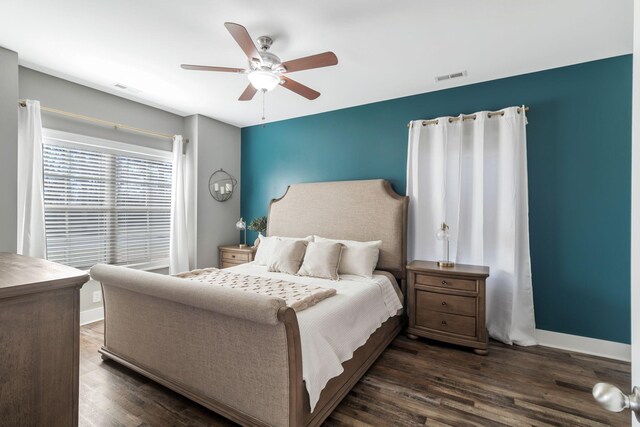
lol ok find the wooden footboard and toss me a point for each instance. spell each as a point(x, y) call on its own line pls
point(205, 399)
point(235, 353)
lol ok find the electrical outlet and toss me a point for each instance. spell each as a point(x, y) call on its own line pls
point(97, 296)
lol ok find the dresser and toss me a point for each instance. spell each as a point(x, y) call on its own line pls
point(39, 341)
point(232, 255)
point(448, 304)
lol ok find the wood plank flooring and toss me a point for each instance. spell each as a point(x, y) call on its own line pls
point(413, 383)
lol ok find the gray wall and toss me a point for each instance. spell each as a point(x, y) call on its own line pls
point(8, 148)
point(65, 95)
point(218, 146)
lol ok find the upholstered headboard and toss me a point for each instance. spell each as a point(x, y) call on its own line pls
point(352, 210)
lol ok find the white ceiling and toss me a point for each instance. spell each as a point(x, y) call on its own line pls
point(386, 49)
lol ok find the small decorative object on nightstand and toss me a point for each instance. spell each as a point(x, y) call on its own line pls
point(258, 225)
point(232, 255)
point(448, 304)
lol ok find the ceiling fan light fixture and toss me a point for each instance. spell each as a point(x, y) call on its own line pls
point(264, 80)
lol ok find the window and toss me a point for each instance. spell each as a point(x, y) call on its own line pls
point(105, 202)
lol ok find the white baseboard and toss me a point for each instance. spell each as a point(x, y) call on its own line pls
point(596, 347)
point(90, 316)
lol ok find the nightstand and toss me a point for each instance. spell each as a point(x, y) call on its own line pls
point(232, 255)
point(448, 304)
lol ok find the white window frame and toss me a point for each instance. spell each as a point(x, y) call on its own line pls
point(72, 140)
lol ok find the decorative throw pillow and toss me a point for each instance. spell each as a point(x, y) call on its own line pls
point(287, 256)
point(321, 260)
point(358, 258)
point(264, 249)
point(267, 244)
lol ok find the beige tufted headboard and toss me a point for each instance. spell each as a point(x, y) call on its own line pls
point(353, 210)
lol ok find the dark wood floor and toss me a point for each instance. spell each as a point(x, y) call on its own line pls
point(413, 383)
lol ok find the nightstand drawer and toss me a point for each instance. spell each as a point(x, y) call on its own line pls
point(446, 303)
point(234, 257)
point(447, 282)
point(452, 323)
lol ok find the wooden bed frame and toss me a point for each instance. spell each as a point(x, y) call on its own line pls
point(354, 210)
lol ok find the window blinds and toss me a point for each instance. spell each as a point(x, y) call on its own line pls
point(105, 206)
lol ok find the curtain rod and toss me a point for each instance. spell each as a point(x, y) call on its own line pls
point(469, 117)
point(116, 126)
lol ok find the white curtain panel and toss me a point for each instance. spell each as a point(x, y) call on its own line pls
point(31, 231)
point(472, 174)
point(179, 240)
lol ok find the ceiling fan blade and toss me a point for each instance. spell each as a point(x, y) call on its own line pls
point(320, 60)
point(210, 68)
point(299, 88)
point(248, 93)
point(242, 37)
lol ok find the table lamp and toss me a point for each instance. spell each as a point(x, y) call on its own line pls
point(241, 225)
point(443, 234)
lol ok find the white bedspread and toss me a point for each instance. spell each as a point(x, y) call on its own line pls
point(334, 328)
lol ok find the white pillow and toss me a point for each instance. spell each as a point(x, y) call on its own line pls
point(359, 258)
point(287, 255)
point(265, 247)
point(321, 260)
point(267, 244)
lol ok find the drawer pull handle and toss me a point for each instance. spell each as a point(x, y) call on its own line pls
point(444, 303)
point(233, 256)
point(444, 282)
point(444, 323)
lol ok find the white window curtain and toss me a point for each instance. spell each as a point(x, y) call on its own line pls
point(179, 241)
point(472, 174)
point(31, 230)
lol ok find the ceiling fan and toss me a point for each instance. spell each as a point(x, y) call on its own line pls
point(266, 70)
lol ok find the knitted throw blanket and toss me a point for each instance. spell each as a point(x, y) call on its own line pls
point(297, 295)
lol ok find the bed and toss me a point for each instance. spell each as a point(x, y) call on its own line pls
point(241, 354)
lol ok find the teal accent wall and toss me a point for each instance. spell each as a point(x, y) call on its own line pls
point(579, 148)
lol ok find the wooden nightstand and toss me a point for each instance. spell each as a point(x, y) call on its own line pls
point(232, 255)
point(448, 304)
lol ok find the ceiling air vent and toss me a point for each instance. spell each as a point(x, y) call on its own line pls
point(126, 88)
point(451, 76)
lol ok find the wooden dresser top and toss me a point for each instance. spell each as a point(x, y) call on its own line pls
point(21, 275)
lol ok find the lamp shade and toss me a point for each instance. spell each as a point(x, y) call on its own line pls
point(241, 225)
point(442, 233)
point(264, 80)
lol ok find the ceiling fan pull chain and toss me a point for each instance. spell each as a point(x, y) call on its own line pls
point(264, 93)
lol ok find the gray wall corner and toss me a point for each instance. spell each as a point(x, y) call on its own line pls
point(218, 147)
